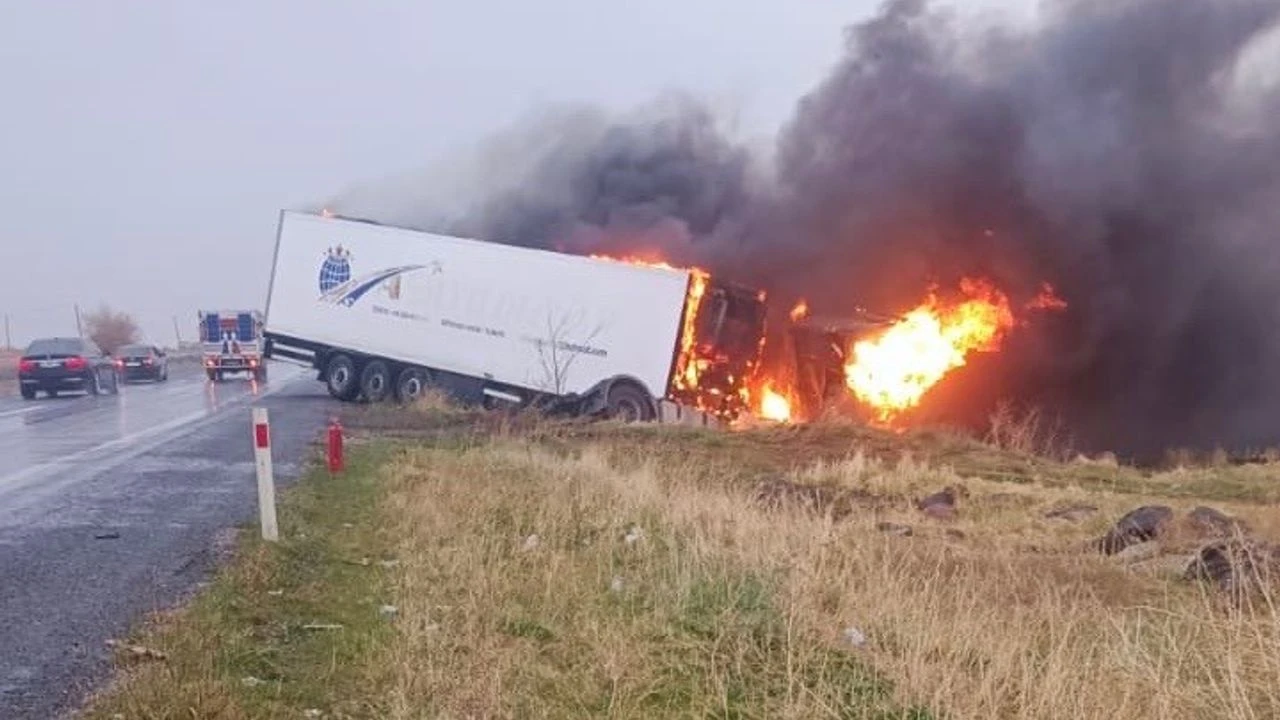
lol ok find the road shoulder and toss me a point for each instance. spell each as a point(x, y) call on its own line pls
point(283, 628)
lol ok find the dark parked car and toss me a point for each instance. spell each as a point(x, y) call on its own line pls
point(142, 362)
point(55, 365)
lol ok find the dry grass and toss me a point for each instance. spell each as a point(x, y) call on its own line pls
point(726, 609)
point(561, 588)
point(8, 368)
point(570, 570)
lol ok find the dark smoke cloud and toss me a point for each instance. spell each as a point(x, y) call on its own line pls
point(1109, 150)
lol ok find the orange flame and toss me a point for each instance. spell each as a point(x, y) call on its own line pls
point(774, 405)
point(634, 259)
point(688, 365)
point(892, 371)
point(800, 311)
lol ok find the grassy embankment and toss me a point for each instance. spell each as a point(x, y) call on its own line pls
point(468, 569)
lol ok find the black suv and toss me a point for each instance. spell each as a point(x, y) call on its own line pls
point(55, 365)
point(142, 362)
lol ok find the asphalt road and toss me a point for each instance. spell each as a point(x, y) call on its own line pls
point(113, 506)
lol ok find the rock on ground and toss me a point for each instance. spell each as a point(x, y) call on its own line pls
point(1137, 526)
point(1236, 566)
point(940, 505)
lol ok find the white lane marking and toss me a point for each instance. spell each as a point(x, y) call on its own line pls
point(136, 437)
point(15, 413)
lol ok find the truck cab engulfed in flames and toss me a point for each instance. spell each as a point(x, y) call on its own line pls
point(722, 345)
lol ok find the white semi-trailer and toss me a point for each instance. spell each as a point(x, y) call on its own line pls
point(383, 312)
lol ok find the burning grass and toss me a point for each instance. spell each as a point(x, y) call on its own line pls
point(555, 570)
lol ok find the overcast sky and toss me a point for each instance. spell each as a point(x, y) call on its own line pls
point(148, 146)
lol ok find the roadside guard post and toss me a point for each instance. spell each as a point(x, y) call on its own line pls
point(266, 479)
point(335, 446)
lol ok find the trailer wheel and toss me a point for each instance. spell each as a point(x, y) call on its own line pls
point(375, 381)
point(340, 378)
point(411, 384)
point(628, 403)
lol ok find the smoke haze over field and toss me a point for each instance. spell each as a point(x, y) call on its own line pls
point(1115, 150)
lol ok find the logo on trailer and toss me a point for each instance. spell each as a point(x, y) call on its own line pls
point(336, 269)
point(339, 286)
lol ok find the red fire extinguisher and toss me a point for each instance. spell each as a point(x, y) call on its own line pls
point(335, 446)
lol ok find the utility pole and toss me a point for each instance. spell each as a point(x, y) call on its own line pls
point(177, 332)
point(79, 325)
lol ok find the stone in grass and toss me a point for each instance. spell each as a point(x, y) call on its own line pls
point(940, 505)
point(1236, 566)
point(1139, 552)
point(855, 637)
point(895, 529)
point(1211, 523)
point(1141, 525)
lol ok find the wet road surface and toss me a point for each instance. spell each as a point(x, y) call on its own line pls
point(112, 506)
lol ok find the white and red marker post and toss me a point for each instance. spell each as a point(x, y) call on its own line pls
point(266, 477)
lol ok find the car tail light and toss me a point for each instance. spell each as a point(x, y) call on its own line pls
point(76, 363)
point(119, 363)
point(146, 361)
point(26, 366)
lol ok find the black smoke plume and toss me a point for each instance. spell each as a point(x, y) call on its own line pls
point(1117, 149)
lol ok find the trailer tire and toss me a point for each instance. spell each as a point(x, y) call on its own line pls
point(375, 381)
point(628, 403)
point(411, 384)
point(340, 378)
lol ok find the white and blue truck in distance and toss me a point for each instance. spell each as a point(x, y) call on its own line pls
point(231, 343)
point(385, 312)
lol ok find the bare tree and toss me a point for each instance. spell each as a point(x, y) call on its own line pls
point(556, 354)
point(111, 330)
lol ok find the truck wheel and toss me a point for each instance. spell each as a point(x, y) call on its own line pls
point(340, 377)
point(28, 393)
point(411, 384)
point(628, 403)
point(91, 383)
point(213, 376)
point(114, 388)
point(375, 381)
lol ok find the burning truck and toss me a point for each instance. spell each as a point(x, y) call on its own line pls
point(886, 364)
point(383, 312)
